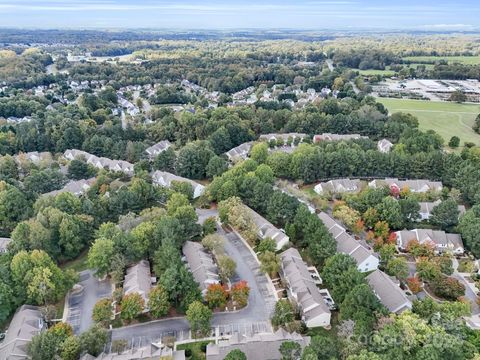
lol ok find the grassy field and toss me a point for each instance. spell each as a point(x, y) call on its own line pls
point(446, 118)
point(386, 72)
point(470, 60)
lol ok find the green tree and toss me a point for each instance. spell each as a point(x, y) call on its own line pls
point(390, 211)
point(236, 354)
point(454, 142)
point(267, 244)
point(70, 349)
point(283, 314)
point(469, 227)
point(132, 306)
point(398, 267)
point(199, 317)
point(209, 226)
point(216, 166)
point(458, 96)
point(103, 311)
point(226, 267)
point(44, 346)
point(165, 161)
point(78, 169)
point(93, 340)
point(214, 243)
point(445, 215)
point(361, 305)
point(158, 302)
point(100, 255)
point(259, 152)
point(269, 262)
point(290, 350)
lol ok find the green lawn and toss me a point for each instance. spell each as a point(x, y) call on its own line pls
point(446, 118)
point(194, 351)
point(387, 73)
point(470, 60)
point(79, 264)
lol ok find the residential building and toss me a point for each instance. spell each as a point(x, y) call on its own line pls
point(100, 162)
point(336, 137)
point(337, 186)
point(164, 178)
point(240, 152)
point(389, 292)
point(366, 259)
point(442, 241)
point(26, 323)
point(263, 346)
point(384, 146)
point(284, 137)
point(302, 288)
point(267, 230)
point(201, 265)
point(75, 187)
point(415, 186)
point(427, 207)
point(158, 148)
point(4, 244)
point(34, 157)
point(138, 280)
point(149, 352)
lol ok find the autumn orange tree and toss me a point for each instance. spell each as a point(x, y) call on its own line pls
point(216, 296)
point(239, 293)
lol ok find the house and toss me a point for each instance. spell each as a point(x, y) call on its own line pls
point(427, 207)
point(240, 152)
point(336, 137)
point(149, 352)
point(163, 178)
point(365, 258)
point(75, 187)
point(34, 157)
point(100, 162)
point(337, 186)
point(268, 230)
point(442, 241)
point(201, 265)
point(388, 292)
point(384, 146)
point(302, 288)
point(293, 137)
point(263, 346)
point(26, 323)
point(415, 186)
point(4, 244)
point(158, 148)
point(138, 280)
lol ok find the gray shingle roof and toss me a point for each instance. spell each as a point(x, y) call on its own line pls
point(26, 323)
point(240, 152)
point(302, 285)
point(336, 137)
point(4, 244)
point(100, 162)
point(260, 346)
point(201, 264)
point(138, 280)
point(164, 178)
point(419, 185)
point(76, 187)
point(159, 147)
point(388, 292)
point(267, 229)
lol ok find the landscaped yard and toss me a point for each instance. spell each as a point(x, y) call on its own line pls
point(470, 60)
point(446, 118)
point(195, 350)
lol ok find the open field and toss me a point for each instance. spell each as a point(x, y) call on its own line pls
point(469, 60)
point(387, 72)
point(447, 119)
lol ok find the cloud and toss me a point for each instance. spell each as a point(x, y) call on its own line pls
point(448, 26)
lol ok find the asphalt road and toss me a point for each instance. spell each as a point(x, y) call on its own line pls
point(80, 305)
point(252, 319)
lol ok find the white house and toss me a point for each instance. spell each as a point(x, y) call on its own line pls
point(267, 230)
point(365, 258)
point(337, 186)
point(415, 186)
point(442, 241)
point(303, 290)
point(427, 207)
point(384, 146)
point(388, 291)
point(164, 178)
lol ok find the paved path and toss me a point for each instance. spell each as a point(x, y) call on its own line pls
point(250, 320)
point(470, 294)
point(80, 305)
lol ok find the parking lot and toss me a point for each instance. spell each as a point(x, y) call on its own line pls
point(82, 299)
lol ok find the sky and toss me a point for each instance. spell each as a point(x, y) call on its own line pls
point(461, 15)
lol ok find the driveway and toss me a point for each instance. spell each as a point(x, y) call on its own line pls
point(255, 318)
point(470, 294)
point(204, 214)
point(80, 304)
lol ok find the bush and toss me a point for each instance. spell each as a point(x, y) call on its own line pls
point(454, 142)
point(448, 288)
